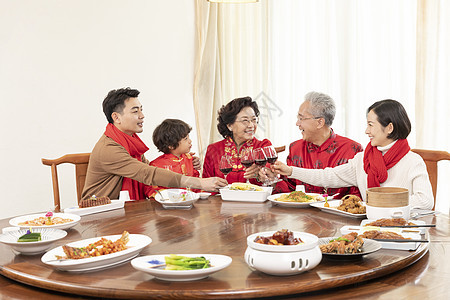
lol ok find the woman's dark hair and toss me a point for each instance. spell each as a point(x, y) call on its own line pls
point(227, 113)
point(115, 101)
point(169, 134)
point(391, 111)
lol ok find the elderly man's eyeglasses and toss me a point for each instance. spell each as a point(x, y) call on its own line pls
point(246, 122)
point(304, 119)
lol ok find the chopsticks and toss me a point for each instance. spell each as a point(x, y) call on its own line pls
point(401, 241)
point(408, 226)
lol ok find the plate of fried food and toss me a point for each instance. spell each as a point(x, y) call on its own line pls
point(349, 205)
point(295, 199)
point(348, 246)
point(181, 267)
point(46, 220)
point(398, 223)
point(96, 253)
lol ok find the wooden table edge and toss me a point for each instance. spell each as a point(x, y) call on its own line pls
point(305, 287)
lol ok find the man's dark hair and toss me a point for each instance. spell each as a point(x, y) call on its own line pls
point(169, 134)
point(227, 113)
point(115, 101)
point(392, 111)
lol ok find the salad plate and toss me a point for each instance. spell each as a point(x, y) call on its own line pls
point(151, 264)
point(333, 209)
point(134, 246)
point(22, 221)
point(275, 200)
point(48, 236)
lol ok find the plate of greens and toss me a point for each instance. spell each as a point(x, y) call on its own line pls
point(181, 267)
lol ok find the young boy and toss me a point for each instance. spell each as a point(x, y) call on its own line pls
point(172, 138)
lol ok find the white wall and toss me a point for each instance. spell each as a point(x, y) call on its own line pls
point(58, 60)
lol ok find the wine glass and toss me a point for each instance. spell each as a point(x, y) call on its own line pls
point(272, 157)
point(260, 159)
point(247, 158)
point(225, 165)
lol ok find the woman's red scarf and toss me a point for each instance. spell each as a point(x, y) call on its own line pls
point(376, 164)
point(135, 147)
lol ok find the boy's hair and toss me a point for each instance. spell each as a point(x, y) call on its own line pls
point(115, 101)
point(169, 133)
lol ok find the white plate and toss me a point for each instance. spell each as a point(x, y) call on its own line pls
point(48, 236)
point(144, 264)
point(422, 230)
point(405, 232)
point(274, 200)
point(83, 211)
point(333, 209)
point(166, 203)
point(136, 243)
point(245, 196)
point(15, 221)
point(369, 246)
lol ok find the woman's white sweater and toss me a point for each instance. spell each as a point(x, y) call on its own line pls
point(410, 172)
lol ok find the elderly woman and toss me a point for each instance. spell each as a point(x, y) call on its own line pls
point(238, 121)
point(386, 160)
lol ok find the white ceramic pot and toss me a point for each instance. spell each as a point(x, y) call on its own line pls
point(283, 260)
point(375, 213)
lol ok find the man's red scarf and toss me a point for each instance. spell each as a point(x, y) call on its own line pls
point(135, 147)
point(376, 164)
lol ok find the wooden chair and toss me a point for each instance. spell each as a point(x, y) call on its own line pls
point(80, 160)
point(431, 158)
point(280, 149)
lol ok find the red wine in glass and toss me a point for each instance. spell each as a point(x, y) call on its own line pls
point(226, 171)
point(271, 154)
point(272, 160)
point(247, 163)
point(260, 157)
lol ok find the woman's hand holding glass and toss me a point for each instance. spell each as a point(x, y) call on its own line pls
point(276, 168)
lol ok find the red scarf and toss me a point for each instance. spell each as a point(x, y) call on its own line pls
point(135, 147)
point(376, 165)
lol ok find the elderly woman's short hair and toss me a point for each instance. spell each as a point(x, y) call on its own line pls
point(227, 114)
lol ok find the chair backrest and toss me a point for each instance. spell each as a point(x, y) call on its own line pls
point(80, 160)
point(431, 158)
point(280, 149)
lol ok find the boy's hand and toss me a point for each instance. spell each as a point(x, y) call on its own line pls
point(196, 161)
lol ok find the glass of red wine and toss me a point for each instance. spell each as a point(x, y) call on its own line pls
point(247, 159)
point(272, 157)
point(260, 157)
point(225, 165)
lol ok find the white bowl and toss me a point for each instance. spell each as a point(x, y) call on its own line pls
point(375, 213)
point(204, 195)
point(48, 236)
point(283, 260)
point(245, 196)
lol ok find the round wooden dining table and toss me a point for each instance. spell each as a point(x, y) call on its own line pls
point(214, 226)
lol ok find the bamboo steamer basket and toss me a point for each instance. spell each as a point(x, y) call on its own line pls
point(387, 197)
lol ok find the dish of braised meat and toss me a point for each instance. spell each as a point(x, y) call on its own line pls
point(389, 222)
point(346, 244)
point(352, 204)
point(383, 235)
point(281, 237)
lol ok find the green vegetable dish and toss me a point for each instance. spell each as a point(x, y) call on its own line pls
point(30, 237)
point(178, 262)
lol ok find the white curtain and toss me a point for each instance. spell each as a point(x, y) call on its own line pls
point(358, 52)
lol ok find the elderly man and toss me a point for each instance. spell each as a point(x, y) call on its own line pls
point(320, 147)
point(117, 161)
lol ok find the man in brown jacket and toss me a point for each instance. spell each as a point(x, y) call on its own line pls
point(117, 161)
